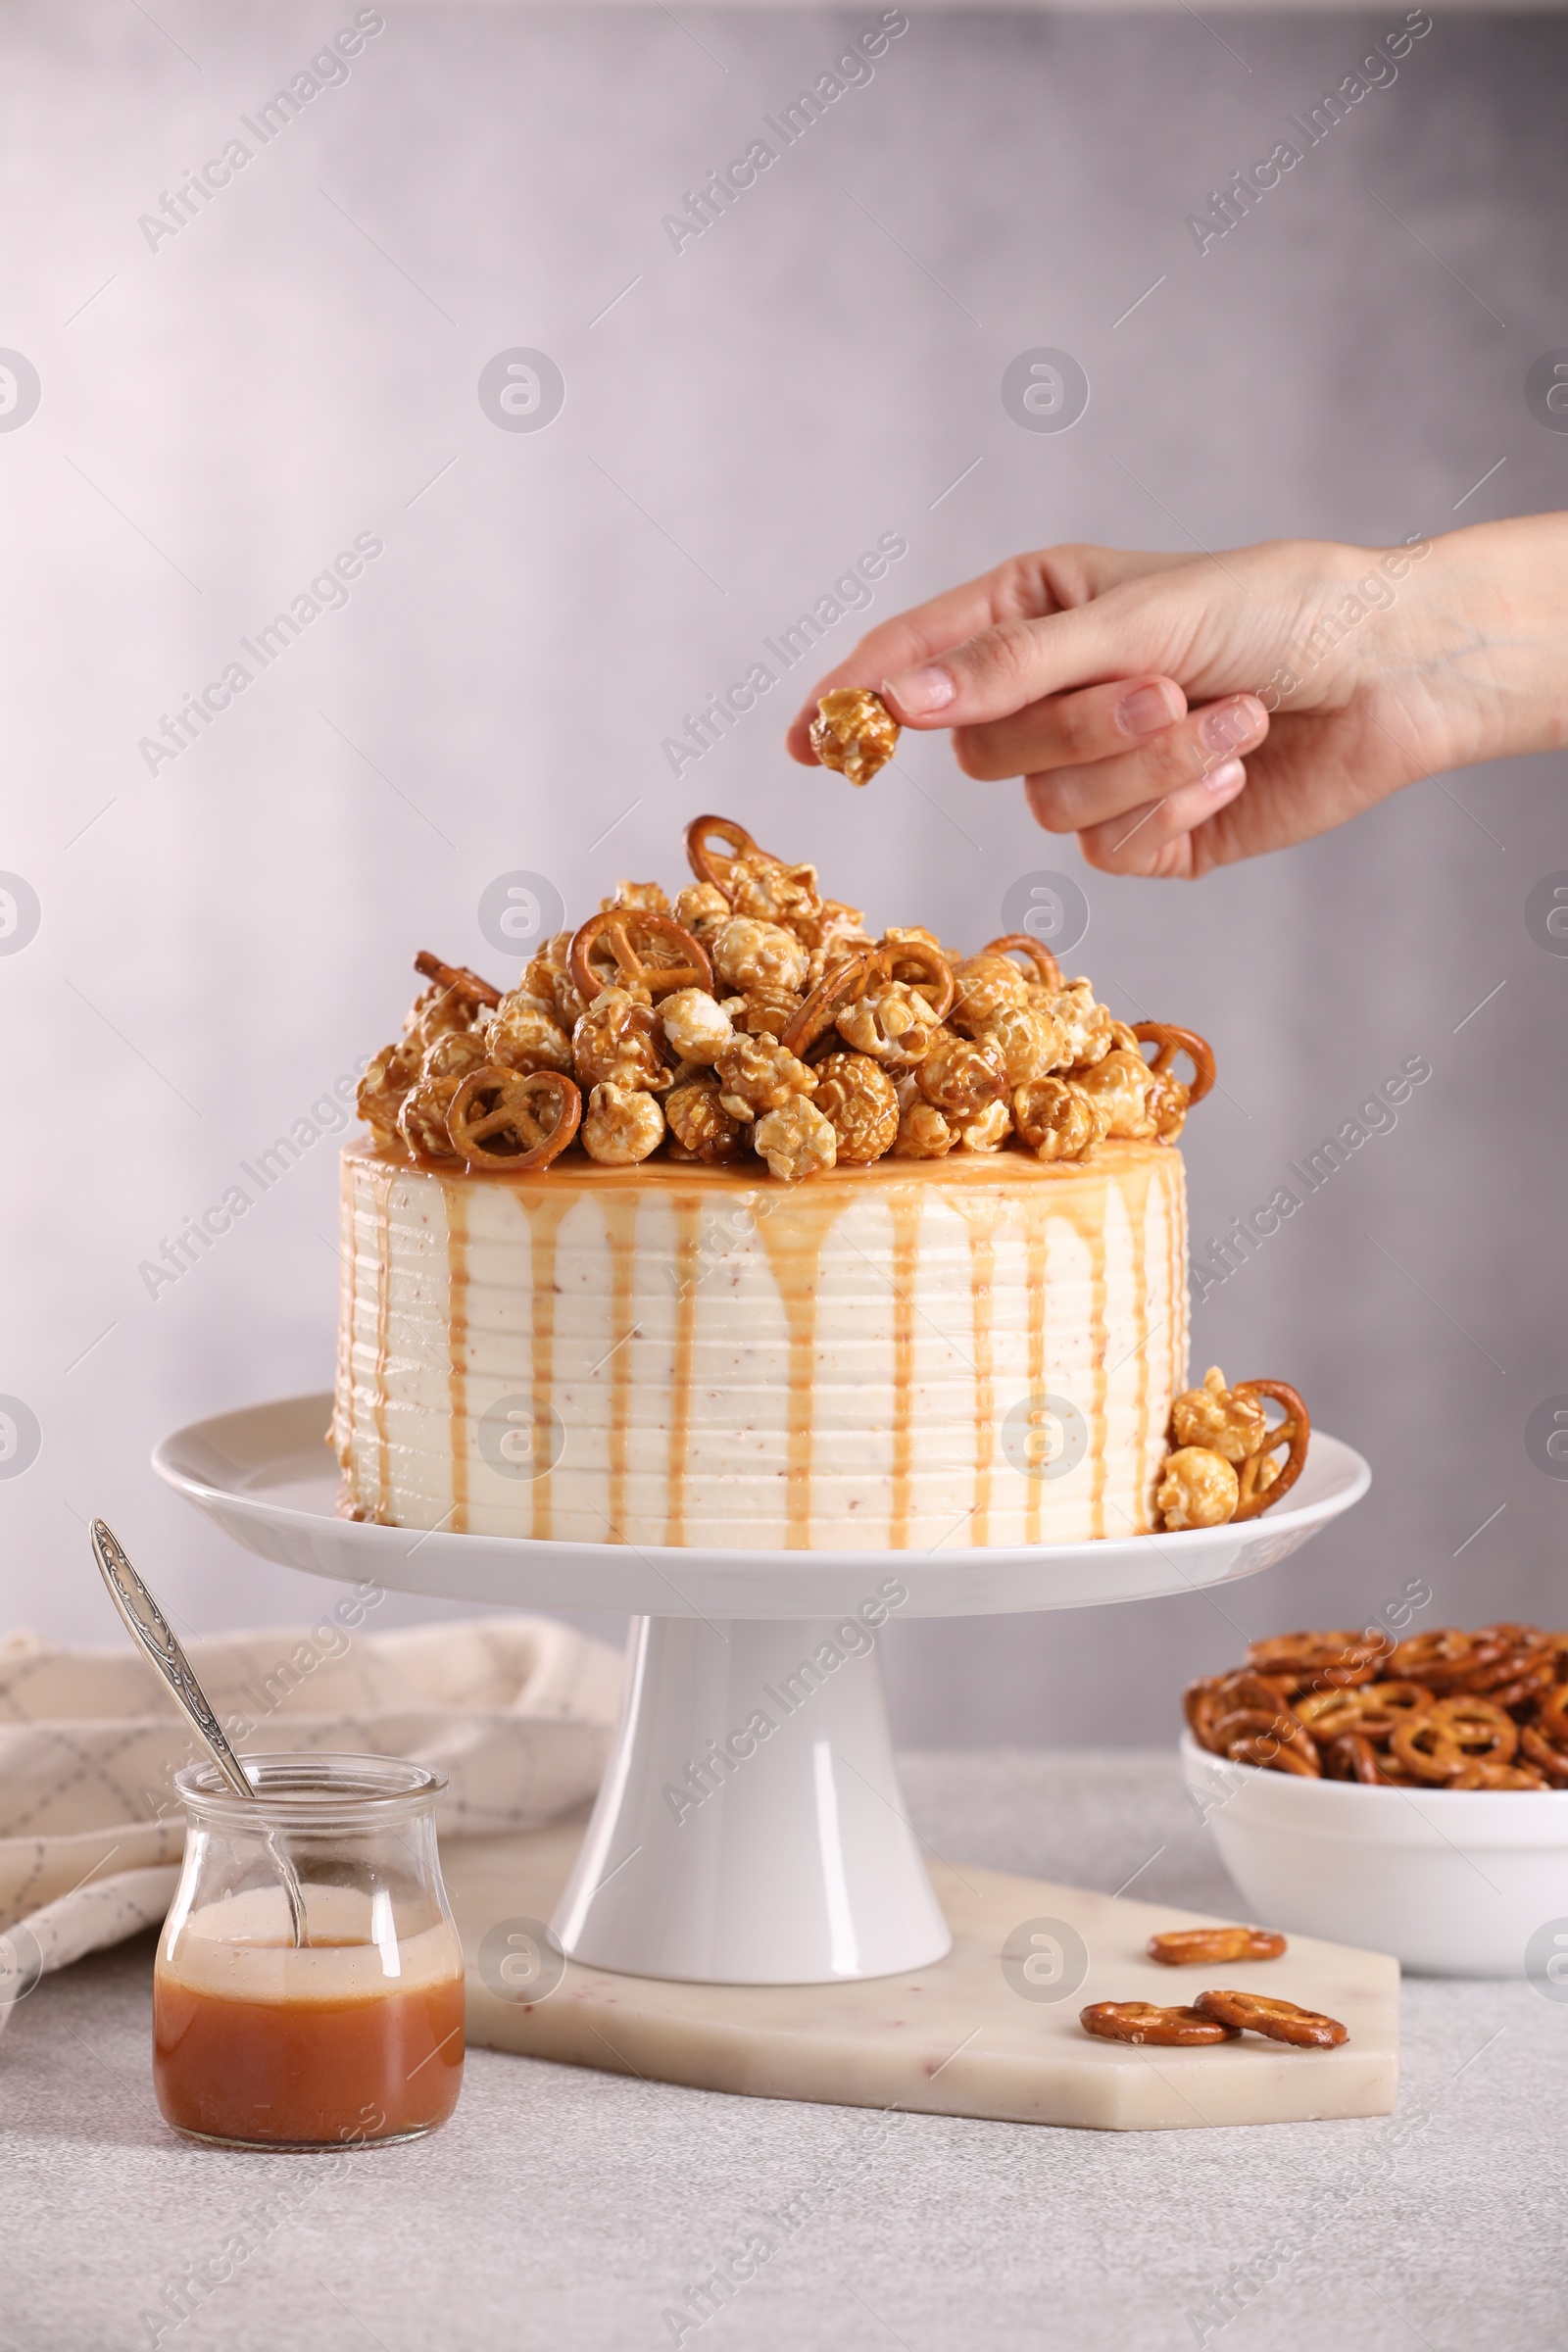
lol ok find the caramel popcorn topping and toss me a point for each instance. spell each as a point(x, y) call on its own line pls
point(748, 1013)
point(855, 732)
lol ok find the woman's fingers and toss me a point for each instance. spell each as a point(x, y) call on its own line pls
point(1069, 730)
point(1184, 772)
point(953, 635)
point(1154, 839)
point(1005, 669)
point(899, 643)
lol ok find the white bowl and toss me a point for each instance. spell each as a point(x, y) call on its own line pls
point(1452, 1882)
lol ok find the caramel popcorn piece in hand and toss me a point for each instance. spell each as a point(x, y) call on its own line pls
point(1197, 1489)
point(855, 732)
point(751, 954)
point(1056, 1118)
point(423, 1120)
point(387, 1078)
point(524, 1033)
point(702, 910)
point(621, 1125)
point(697, 1027)
point(986, 1131)
point(1029, 1040)
point(963, 1075)
point(1214, 1416)
point(699, 1122)
point(757, 1074)
point(862, 1104)
point(796, 1140)
point(893, 1024)
point(616, 1043)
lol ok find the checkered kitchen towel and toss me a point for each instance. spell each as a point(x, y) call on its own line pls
point(515, 1710)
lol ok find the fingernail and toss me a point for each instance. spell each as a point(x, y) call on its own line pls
point(1145, 710)
point(1228, 777)
point(918, 691)
point(1232, 722)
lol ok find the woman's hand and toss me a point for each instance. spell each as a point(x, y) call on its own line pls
point(1177, 714)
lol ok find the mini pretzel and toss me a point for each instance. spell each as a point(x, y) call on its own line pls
point(1352, 1757)
point(1446, 1655)
point(457, 979)
point(1143, 2020)
point(1295, 1429)
point(615, 926)
point(1269, 1753)
point(1478, 1727)
point(1370, 1710)
point(847, 982)
point(1551, 1713)
point(1323, 1661)
point(1280, 2021)
point(492, 1104)
point(844, 986)
point(1172, 1041)
point(704, 864)
point(1425, 1748)
point(1549, 1759)
point(1018, 942)
point(1258, 1723)
point(1482, 1772)
point(1180, 1947)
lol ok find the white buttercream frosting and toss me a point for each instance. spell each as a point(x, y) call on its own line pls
point(683, 1355)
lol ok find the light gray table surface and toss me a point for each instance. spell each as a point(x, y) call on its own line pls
point(563, 2208)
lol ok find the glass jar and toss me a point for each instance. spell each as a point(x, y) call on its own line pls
point(356, 2034)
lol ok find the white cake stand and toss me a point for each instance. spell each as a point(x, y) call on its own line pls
point(750, 1829)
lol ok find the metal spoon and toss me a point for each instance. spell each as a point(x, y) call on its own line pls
point(152, 1632)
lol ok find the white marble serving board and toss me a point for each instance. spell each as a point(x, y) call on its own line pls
point(953, 2039)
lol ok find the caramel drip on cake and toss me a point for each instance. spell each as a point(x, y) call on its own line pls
point(621, 1231)
point(795, 1261)
point(1036, 1213)
point(1100, 1431)
point(382, 1188)
point(982, 1273)
point(542, 1216)
point(905, 1205)
point(688, 1213)
point(1141, 1310)
point(456, 1204)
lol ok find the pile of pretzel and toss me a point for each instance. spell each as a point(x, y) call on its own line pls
point(753, 1014)
point(1444, 1709)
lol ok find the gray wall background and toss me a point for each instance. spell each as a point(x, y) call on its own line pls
point(219, 942)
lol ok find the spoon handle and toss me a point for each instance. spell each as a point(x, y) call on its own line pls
point(156, 1637)
point(151, 1631)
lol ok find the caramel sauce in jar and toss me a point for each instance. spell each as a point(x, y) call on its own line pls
point(355, 2036)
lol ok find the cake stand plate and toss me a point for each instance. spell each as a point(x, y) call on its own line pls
point(750, 1829)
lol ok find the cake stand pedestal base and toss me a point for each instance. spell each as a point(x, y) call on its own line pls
point(990, 2029)
point(749, 1828)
